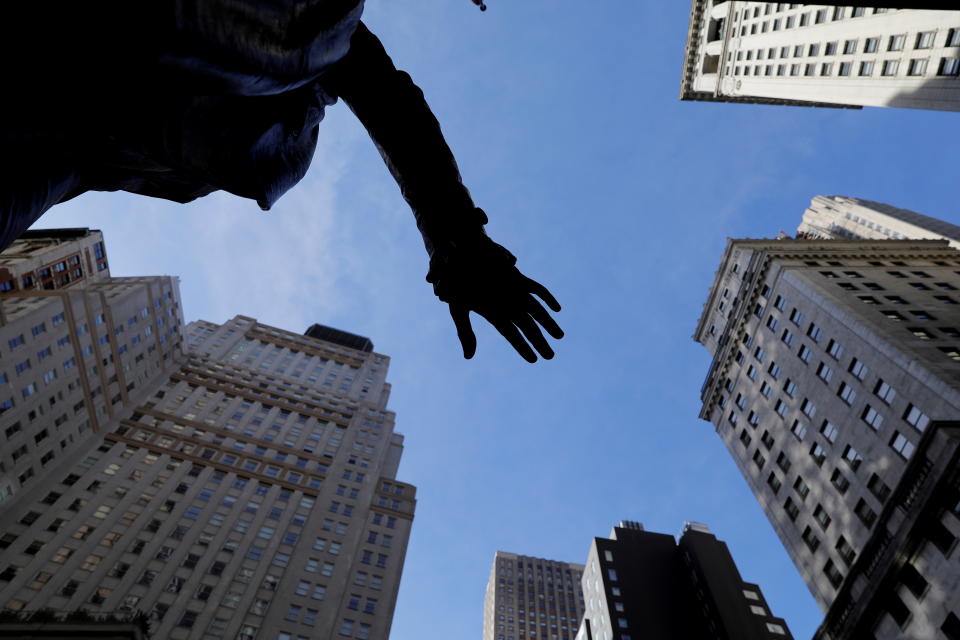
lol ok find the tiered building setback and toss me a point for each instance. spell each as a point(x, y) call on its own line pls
point(843, 218)
point(821, 55)
point(834, 381)
point(240, 483)
point(532, 599)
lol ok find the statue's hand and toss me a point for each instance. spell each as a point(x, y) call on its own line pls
point(481, 277)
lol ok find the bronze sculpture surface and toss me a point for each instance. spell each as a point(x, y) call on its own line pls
point(179, 98)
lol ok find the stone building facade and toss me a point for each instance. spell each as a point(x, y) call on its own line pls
point(822, 55)
point(532, 599)
point(835, 376)
point(844, 218)
point(231, 480)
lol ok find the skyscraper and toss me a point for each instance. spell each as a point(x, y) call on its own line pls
point(843, 218)
point(835, 373)
point(532, 599)
point(821, 55)
point(243, 486)
point(53, 259)
point(639, 584)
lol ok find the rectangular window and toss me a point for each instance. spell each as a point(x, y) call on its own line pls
point(901, 445)
point(917, 67)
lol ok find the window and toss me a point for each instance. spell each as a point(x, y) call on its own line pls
point(774, 482)
point(792, 509)
point(804, 353)
point(789, 387)
point(924, 40)
point(916, 418)
point(850, 46)
point(839, 481)
point(917, 67)
point(853, 458)
point(781, 408)
point(858, 369)
point(878, 488)
point(901, 445)
point(810, 538)
point(783, 462)
point(801, 488)
point(889, 67)
point(847, 393)
point(872, 417)
point(774, 370)
point(829, 431)
point(846, 551)
point(835, 349)
point(821, 516)
point(818, 454)
point(865, 513)
point(824, 372)
point(949, 67)
point(833, 574)
point(896, 42)
point(807, 408)
point(758, 459)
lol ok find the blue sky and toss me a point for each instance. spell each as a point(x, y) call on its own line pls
point(567, 128)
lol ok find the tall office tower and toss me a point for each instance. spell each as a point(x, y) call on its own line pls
point(821, 55)
point(834, 363)
point(532, 599)
point(53, 259)
point(243, 489)
point(647, 585)
point(842, 218)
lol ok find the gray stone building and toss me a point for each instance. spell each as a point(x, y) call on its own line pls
point(834, 380)
point(822, 55)
point(532, 599)
point(643, 585)
point(238, 483)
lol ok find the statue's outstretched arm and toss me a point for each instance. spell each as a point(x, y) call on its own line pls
point(468, 270)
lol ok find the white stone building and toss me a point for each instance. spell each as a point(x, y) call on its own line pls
point(822, 55)
point(843, 218)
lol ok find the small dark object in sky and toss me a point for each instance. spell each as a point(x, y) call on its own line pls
point(480, 4)
point(179, 98)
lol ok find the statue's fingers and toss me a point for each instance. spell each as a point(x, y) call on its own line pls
point(540, 315)
point(461, 320)
point(541, 292)
point(510, 332)
point(532, 333)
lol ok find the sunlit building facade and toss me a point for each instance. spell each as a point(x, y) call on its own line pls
point(843, 218)
point(834, 385)
point(231, 480)
point(822, 55)
point(532, 598)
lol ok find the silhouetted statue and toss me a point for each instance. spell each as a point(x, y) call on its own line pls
point(179, 98)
